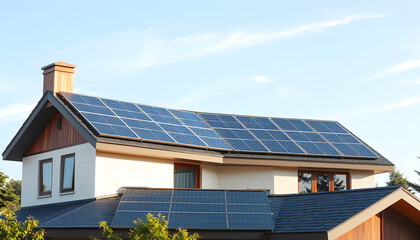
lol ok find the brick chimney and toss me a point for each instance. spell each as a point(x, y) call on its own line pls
point(58, 76)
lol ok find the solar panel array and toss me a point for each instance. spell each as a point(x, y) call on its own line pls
point(197, 209)
point(130, 120)
point(218, 131)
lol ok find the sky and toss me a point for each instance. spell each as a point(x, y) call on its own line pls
point(356, 62)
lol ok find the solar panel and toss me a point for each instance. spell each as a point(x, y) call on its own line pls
point(233, 132)
point(144, 122)
point(250, 221)
point(126, 219)
point(198, 220)
point(246, 197)
point(197, 209)
point(218, 131)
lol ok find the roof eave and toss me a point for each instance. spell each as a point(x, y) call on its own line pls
point(35, 123)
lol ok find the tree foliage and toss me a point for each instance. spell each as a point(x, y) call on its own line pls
point(11, 229)
point(396, 178)
point(9, 193)
point(414, 186)
point(152, 228)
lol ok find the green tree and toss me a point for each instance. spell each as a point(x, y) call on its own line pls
point(396, 178)
point(11, 229)
point(8, 193)
point(152, 228)
point(414, 186)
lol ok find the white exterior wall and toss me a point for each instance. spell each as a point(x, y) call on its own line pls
point(285, 181)
point(362, 179)
point(246, 177)
point(209, 177)
point(84, 180)
point(114, 171)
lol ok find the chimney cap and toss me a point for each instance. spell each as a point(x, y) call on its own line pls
point(59, 64)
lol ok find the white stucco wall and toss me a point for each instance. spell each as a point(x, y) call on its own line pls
point(114, 171)
point(83, 179)
point(246, 177)
point(362, 179)
point(209, 177)
point(285, 180)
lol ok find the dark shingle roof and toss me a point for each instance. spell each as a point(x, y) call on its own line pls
point(292, 213)
point(79, 214)
point(320, 212)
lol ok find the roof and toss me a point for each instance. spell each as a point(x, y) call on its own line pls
point(80, 118)
point(185, 208)
point(78, 214)
point(336, 212)
point(320, 212)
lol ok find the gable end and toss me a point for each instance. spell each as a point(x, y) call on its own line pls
point(54, 137)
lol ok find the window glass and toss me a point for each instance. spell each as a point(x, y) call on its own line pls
point(322, 183)
point(340, 182)
point(305, 182)
point(67, 165)
point(46, 177)
point(185, 177)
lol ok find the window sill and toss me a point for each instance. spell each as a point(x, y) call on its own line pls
point(67, 193)
point(44, 196)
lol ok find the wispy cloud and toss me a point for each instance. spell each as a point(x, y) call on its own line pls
point(395, 69)
point(15, 111)
point(136, 50)
point(247, 39)
point(410, 82)
point(379, 109)
point(221, 88)
point(261, 79)
point(398, 105)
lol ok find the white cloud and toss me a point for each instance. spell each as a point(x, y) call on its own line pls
point(15, 111)
point(261, 79)
point(405, 66)
point(395, 69)
point(136, 50)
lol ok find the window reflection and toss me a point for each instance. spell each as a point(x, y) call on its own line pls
point(305, 182)
point(322, 183)
point(340, 182)
point(46, 177)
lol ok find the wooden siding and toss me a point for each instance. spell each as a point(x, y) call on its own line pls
point(51, 138)
point(369, 230)
point(397, 226)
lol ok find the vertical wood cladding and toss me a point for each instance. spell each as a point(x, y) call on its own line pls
point(51, 138)
point(397, 226)
point(369, 230)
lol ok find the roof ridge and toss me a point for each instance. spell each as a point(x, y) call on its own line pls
point(335, 192)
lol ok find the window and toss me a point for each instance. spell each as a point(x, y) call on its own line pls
point(67, 173)
point(186, 176)
point(59, 123)
point(317, 181)
point(45, 177)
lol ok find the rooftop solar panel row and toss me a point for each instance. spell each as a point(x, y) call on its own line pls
point(197, 209)
point(218, 131)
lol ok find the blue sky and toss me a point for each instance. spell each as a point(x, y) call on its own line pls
point(356, 62)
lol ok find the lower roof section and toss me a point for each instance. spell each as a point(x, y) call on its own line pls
point(214, 212)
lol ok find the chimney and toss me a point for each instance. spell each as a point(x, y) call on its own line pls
point(58, 76)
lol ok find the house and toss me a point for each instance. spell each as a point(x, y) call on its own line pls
point(86, 159)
